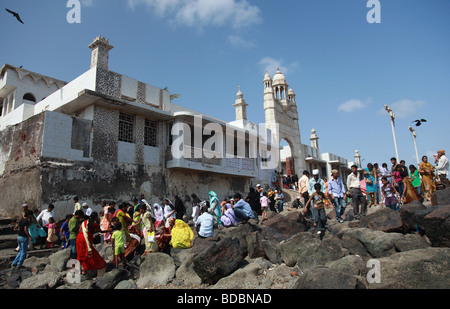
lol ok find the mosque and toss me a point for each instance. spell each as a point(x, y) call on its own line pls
point(107, 136)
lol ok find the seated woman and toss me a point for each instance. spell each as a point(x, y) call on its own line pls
point(182, 235)
point(228, 218)
point(163, 233)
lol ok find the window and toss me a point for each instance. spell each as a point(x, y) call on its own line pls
point(150, 133)
point(126, 128)
point(29, 97)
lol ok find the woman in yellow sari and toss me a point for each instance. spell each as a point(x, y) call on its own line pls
point(427, 172)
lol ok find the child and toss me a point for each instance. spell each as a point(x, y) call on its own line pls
point(64, 232)
point(389, 194)
point(264, 200)
point(320, 217)
point(118, 242)
point(52, 237)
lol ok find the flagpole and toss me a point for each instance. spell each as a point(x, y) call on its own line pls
point(415, 144)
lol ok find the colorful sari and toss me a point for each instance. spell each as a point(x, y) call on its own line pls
point(89, 258)
point(121, 215)
point(105, 223)
point(149, 233)
point(215, 206)
point(428, 184)
point(410, 193)
point(182, 235)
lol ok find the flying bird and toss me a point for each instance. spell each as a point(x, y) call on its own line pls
point(419, 122)
point(16, 15)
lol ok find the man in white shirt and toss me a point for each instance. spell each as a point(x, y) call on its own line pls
point(354, 188)
point(87, 209)
point(46, 214)
point(442, 167)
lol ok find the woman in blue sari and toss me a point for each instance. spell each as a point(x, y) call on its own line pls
point(371, 184)
point(215, 207)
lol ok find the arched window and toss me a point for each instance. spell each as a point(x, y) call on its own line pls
point(29, 97)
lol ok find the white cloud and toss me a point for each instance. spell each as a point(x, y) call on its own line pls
point(351, 106)
point(406, 108)
point(201, 13)
point(270, 65)
point(239, 42)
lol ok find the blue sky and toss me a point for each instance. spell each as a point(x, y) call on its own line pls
point(342, 68)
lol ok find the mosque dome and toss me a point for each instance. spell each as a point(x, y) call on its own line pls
point(279, 78)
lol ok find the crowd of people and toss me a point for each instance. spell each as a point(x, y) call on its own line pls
point(139, 226)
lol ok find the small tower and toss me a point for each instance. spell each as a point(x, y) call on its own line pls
point(241, 106)
point(100, 52)
point(314, 139)
point(280, 85)
point(357, 158)
point(291, 96)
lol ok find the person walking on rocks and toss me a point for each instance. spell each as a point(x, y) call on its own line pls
point(77, 205)
point(23, 238)
point(389, 194)
point(74, 227)
point(354, 190)
point(336, 192)
point(318, 199)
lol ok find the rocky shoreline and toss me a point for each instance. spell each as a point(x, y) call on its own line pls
point(283, 252)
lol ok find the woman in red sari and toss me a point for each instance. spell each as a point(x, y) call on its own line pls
point(89, 258)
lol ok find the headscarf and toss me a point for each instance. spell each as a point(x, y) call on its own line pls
point(159, 212)
point(179, 206)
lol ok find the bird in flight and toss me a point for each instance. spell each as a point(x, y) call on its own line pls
point(419, 122)
point(16, 15)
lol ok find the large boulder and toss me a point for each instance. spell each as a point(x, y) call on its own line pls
point(322, 277)
point(254, 245)
point(408, 215)
point(441, 197)
point(437, 226)
point(285, 225)
point(326, 251)
point(45, 280)
point(295, 246)
point(157, 269)
point(410, 242)
point(385, 220)
point(416, 269)
point(243, 278)
point(59, 260)
point(219, 260)
point(349, 264)
point(377, 243)
point(111, 279)
point(187, 274)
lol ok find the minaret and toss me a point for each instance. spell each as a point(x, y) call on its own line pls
point(357, 158)
point(241, 106)
point(314, 139)
point(100, 52)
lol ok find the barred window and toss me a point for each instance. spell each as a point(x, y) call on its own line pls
point(126, 128)
point(150, 133)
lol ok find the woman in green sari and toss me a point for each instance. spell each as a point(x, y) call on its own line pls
point(427, 172)
point(215, 206)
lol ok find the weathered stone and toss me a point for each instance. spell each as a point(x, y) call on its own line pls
point(441, 197)
point(59, 259)
point(350, 264)
point(254, 246)
point(385, 220)
point(322, 277)
point(46, 280)
point(292, 248)
point(110, 279)
point(157, 269)
point(219, 260)
point(285, 225)
point(324, 252)
point(407, 214)
point(437, 226)
point(126, 285)
point(244, 278)
point(271, 251)
point(410, 242)
point(187, 273)
point(416, 269)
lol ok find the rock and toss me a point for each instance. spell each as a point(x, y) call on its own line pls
point(200, 244)
point(377, 243)
point(186, 272)
point(244, 278)
point(441, 197)
point(326, 251)
point(437, 226)
point(322, 277)
point(254, 246)
point(219, 260)
point(354, 246)
point(292, 248)
point(285, 225)
point(271, 251)
point(35, 262)
point(106, 252)
point(410, 242)
point(126, 285)
point(46, 280)
point(157, 269)
point(385, 220)
point(84, 285)
point(416, 269)
point(280, 276)
point(110, 279)
point(59, 259)
point(179, 256)
point(350, 264)
point(408, 217)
